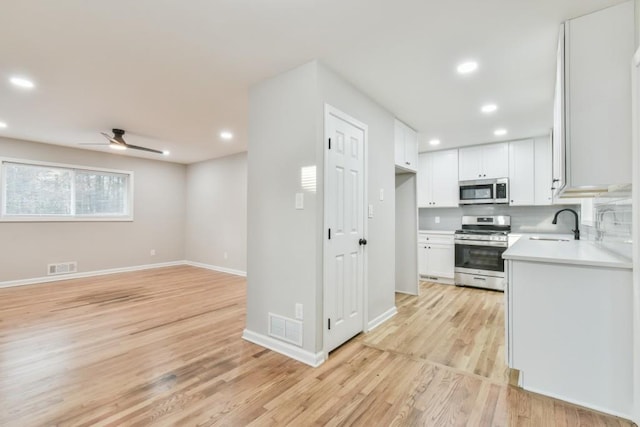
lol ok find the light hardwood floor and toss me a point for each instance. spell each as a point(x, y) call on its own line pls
point(163, 347)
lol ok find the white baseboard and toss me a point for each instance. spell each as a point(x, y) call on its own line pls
point(216, 268)
point(289, 350)
point(405, 293)
point(382, 318)
point(579, 403)
point(46, 279)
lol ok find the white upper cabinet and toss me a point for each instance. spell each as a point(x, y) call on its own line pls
point(438, 179)
point(530, 172)
point(522, 173)
point(595, 120)
point(484, 162)
point(543, 171)
point(406, 146)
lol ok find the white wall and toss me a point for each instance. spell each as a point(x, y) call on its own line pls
point(283, 243)
point(406, 234)
point(159, 217)
point(340, 94)
point(286, 133)
point(216, 212)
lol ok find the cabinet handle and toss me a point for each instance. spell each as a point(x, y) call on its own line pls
point(479, 175)
point(484, 174)
point(555, 179)
point(407, 163)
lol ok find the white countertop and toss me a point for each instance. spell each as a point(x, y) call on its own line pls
point(576, 252)
point(436, 231)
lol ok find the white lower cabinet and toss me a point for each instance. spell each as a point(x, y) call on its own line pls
point(436, 257)
point(569, 332)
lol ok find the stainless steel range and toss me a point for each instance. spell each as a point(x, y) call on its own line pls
point(479, 246)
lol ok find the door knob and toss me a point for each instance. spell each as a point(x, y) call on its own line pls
point(362, 242)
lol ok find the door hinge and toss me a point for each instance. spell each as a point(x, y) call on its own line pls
point(329, 234)
point(329, 143)
point(329, 323)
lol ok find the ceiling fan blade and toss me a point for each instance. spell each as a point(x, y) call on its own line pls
point(137, 147)
point(109, 137)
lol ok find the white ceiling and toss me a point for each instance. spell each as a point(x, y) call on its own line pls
point(174, 74)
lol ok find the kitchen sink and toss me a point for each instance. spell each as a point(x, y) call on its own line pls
point(549, 239)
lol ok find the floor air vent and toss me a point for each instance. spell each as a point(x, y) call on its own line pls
point(285, 329)
point(62, 268)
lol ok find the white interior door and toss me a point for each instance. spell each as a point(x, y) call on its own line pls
point(344, 219)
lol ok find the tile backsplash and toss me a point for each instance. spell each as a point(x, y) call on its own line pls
point(611, 222)
point(524, 219)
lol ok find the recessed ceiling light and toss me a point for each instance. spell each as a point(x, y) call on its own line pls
point(467, 67)
point(500, 132)
point(226, 135)
point(489, 108)
point(22, 82)
point(166, 152)
point(434, 142)
point(117, 147)
point(3, 125)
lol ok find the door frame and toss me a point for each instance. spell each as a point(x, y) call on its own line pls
point(328, 112)
point(635, 188)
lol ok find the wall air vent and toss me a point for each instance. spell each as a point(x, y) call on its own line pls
point(62, 268)
point(285, 329)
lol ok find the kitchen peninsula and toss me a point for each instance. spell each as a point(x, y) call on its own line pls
point(568, 310)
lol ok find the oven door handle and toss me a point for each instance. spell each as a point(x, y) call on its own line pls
point(483, 243)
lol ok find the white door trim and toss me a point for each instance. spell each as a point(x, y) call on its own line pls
point(332, 111)
point(635, 119)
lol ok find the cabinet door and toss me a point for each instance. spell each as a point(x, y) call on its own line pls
point(440, 260)
point(445, 188)
point(424, 181)
point(470, 163)
point(423, 268)
point(543, 181)
point(521, 173)
point(398, 139)
point(410, 148)
point(495, 160)
point(598, 96)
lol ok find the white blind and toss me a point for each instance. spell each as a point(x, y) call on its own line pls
point(41, 190)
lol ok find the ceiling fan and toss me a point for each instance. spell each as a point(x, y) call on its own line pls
point(117, 142)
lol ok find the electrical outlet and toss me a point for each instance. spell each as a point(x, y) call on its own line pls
point(299, 311)
point(152, 252)
point(437, 220)
point(370, 211)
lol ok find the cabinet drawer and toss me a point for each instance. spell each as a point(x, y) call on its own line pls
point(435, 238)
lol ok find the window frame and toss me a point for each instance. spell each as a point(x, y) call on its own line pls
point(4, 217)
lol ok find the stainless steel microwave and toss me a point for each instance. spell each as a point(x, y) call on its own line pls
point(485, 191)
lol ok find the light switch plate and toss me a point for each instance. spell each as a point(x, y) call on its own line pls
point(381, 194)
point(437, 220)
point(370, 211)
point(299, 200)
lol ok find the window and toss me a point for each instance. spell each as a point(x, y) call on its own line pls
point(33, 191)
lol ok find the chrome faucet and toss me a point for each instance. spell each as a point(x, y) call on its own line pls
point(576, 232)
